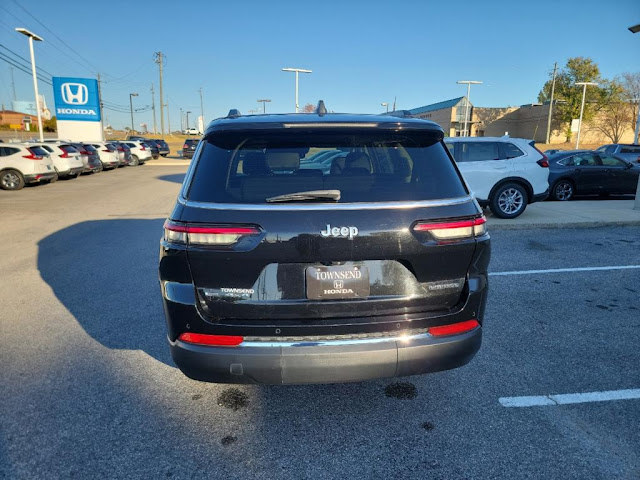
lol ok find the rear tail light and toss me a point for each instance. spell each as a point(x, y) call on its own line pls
point(65, 154)
point(456, 230)
point(185, 146)
point(213, 340)
point(544, 161)
point(142, 147)
point(454, 328)
point(107, 150)
point(216, 236)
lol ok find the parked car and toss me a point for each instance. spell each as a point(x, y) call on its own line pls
point(21, 164)
point(108, 155)
point(191, 131)
point(625, 151)
point(504, 173)
point(140, 153)
point(151, 144)
point(124, 152)
point(89, 156)
point(66, 161)
point(163, 147)
point(189, 147)
point(275, 274)
point(590, 172)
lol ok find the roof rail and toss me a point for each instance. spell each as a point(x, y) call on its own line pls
point(234, 113)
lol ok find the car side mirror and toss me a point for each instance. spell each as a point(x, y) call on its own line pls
point(629, 165)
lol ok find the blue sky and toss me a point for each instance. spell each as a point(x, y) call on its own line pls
point(362, 53)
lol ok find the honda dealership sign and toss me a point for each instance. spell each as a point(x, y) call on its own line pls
point(76, 99)
point(77, 109)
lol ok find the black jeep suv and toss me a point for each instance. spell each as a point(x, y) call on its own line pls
point(276, 270)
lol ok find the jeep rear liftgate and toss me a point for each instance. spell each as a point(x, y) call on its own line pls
point(317, 249)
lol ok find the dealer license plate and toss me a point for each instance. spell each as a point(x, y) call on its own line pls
point(337, 282)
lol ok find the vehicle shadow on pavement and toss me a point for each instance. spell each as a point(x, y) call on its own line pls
point(175, 178)
point(105, 273)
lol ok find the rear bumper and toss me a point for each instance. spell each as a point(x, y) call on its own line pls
point(39, 177)
point(539, 197)
point(332, 361)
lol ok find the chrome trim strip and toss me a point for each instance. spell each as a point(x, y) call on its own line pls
point(327, 206)
point(336, 343)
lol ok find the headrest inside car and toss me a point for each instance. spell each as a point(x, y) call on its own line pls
point(283, 160)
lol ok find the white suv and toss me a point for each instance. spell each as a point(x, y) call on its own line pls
point(140, 153)
point(108, 155)
point(504, 173)
point(20, 164)
point(66, 162)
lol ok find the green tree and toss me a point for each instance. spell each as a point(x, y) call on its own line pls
point(569, 96)
point(50, 125)
point(631, 84)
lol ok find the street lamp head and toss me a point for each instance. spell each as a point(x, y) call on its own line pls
point(635, 28)
point(472, 82)
point(264, 100)
point(586, 83)
point(300, 70)
point(384, 104)
point(26, 32)
point(133, 94)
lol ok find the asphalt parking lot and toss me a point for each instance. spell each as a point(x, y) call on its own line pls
point(90, 391)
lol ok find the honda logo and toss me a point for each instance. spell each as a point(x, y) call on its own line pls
point(74, 93)
point(338, 284)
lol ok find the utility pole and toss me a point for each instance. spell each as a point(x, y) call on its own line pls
point(297, 71)
point(168, 118)
point(201, 108)
point(13, 86)
point(153, 107)
point(584, 94)
point(553, 89)
point(467, 133)
point(181, 120)
point(158, 60)
point(264, 102)
point(102, 121)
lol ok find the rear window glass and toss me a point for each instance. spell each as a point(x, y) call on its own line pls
point(364, 166)
point(41, 152)
point(478, 151)
point(69, 149)
point(629, 149)
point(90, 148)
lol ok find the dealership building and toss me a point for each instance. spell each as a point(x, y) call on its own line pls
point(526, 121)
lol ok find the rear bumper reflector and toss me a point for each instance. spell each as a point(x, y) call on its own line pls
point(454, 328)
point(213, 340)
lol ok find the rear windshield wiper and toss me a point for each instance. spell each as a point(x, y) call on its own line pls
point(310, 195)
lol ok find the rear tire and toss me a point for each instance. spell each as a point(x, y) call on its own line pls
point(11, 180)
point(163, 154)
point(508, 201)
point(134, 160)
point(563, 190)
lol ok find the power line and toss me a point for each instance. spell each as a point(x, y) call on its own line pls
point(56, 36)
point(23, 68)
point(27, 62)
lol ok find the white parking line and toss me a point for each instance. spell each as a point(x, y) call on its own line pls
point(565, 270)
point(570, 398)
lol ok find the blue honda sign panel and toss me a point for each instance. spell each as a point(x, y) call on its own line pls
point(76, 99)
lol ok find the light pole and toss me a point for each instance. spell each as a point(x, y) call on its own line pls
point(584, 94)
point(32, 36)
point(188, 112)
point(636, 203)
point(131, 95)
point(297, 70)
point(264, 102)
point(466, 113)
point(385, 104)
